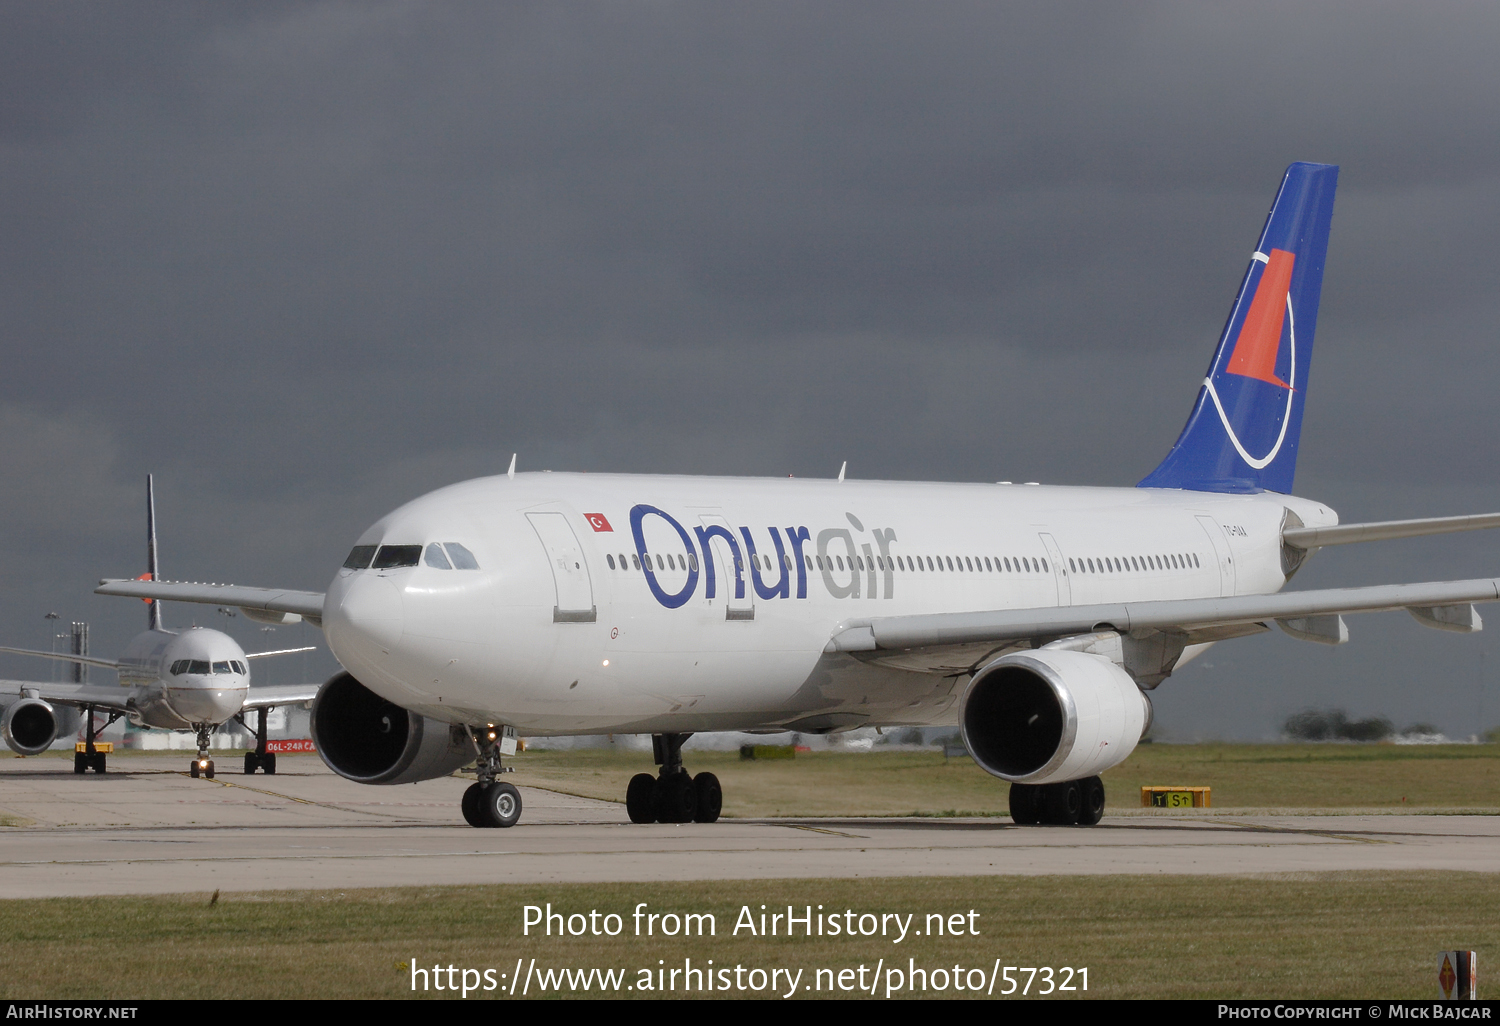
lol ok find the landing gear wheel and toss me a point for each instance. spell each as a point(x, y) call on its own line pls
point(80, 762)
point(250, 761)
point(470, 805)
point(675, 799)
point(500, 805)
point(1062, 803)
point(268, 763)
point(1025, 804)
point(193, 769)
point(1093, 801)
point(640, 798)
point(209, 770)
point(98, 762)
point(710, 798)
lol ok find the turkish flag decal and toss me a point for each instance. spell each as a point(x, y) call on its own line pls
point(598, 523)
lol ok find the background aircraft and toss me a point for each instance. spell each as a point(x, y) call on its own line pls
point(1039, 619)
point(196, 679)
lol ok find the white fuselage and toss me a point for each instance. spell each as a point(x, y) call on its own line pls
point(559, 630)
point(179, 680)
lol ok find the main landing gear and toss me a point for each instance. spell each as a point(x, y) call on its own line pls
point(90, 758)
point(490, 802)
point(260, 758)
point(673, 796)
point(202, 765)
point(1072, 802)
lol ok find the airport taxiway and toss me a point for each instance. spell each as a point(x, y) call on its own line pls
point(147, 827)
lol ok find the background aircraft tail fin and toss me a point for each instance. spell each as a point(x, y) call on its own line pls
point(153, 572)
point(1243, 432)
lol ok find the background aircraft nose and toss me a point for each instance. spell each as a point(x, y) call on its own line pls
point(365, 612)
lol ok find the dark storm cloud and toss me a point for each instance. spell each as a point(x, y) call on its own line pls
point(307, 261)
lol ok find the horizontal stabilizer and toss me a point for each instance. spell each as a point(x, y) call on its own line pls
point(1386, 530)
point(307, 604)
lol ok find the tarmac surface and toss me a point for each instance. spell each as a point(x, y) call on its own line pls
point(146, 827)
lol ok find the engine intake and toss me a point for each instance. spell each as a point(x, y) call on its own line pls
point(370, 740)
point(1052, 715)
point(30, 726)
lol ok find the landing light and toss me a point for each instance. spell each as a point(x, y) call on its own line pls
point(606, 662)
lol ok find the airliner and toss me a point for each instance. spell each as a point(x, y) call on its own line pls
point(1039, 619)
point(196, 679)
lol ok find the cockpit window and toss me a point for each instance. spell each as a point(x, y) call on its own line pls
point(392, 556)
point(198, 666)
point(434, 557)
point(462, 558)
point(178, 667)
point(239, 667)
point(359, 557)
point(222, 667)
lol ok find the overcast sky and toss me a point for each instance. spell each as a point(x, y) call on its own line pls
point(305, 262)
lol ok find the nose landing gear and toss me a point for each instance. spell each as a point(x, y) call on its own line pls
point(673, 795)
point(202, 765)
point(490, 802)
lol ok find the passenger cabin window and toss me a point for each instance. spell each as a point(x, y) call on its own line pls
point(390, 557)
point(434, 557)
point(360, 556)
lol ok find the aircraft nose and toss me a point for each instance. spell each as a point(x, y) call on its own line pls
point(205, 703)
point(365, 613)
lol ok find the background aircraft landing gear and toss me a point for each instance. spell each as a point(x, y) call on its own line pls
point(490, 802)
point(260, 758)
point(674, 795)
point(1071, 802)
point(89, 759)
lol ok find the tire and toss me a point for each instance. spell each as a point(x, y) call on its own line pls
point(1025, 804)
point(675, 800)
point(250, 764)
point(268, 764)
point(193, 769)
point(640, 798)
point(1062, 803)
point(500, 805)
point(209, 772)
point(710, 798)
point(98, 762)
point(1092, 810)
point(80, 762)
point(470, 805)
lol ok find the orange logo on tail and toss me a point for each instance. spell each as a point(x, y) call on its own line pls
point(1255, 350)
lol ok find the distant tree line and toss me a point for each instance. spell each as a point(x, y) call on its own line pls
point(1334, 725)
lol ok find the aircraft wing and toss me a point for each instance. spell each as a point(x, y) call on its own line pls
point(279, 694)
point(267, 605)
point(67, 657)
point(98, 695)
point(1310, 615)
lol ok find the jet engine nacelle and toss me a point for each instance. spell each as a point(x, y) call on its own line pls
point(1052, 715)
point(30, 725)
point(367, 739)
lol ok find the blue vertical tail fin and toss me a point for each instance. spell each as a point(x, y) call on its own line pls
point(1242, 434)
